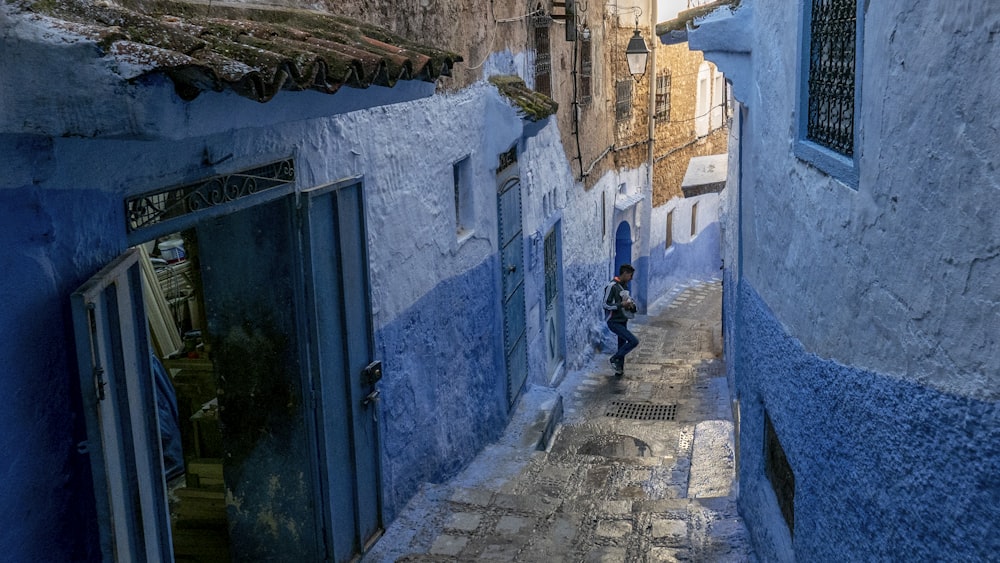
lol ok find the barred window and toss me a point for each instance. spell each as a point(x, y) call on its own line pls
point(832, 38)
point(586, 69)
point(623, 99)
point(543, 56)
point(663, 96)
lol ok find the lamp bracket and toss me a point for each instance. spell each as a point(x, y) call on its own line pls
point(616, 10)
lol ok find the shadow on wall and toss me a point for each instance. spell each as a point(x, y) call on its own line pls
point(444, 391)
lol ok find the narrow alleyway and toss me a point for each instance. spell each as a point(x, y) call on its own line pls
point(640, 470)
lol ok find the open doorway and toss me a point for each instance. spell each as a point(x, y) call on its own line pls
point(260, 318)
point(187, 398)
point(623, 246)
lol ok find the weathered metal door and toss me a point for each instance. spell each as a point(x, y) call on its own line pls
point(251, 280)
point(512, 272)
point(336, 266)
point(113, 354)
point(553, 305)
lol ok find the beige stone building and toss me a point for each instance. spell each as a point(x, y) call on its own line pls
point(604, 115)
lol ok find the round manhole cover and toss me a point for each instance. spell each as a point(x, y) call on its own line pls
point(616, 445)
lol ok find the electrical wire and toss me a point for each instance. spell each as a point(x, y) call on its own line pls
point(489, 48)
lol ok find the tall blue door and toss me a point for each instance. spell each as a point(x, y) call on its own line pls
point(512, 273)
point(623, 245)
point(343, 378)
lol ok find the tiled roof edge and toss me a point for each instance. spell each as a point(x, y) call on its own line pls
point(532, 105)
point(254, 51)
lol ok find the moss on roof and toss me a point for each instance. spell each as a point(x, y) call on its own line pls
point(533, 106)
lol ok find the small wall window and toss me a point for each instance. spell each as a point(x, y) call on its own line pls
point(663, 96)
point(670, 228)
point(694, 219)
point(830, 119)
point(623, 99)
point(828, 78)
point(463, 197)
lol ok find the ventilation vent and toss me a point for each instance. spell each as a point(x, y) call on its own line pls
point(641, 411)
point(779, 473)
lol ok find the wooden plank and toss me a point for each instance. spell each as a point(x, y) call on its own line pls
point(166, 339)
point(206, 469)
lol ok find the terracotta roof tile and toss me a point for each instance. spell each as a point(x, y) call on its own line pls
point(254, 51)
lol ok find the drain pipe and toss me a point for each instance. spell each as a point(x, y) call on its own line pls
point(647, 204)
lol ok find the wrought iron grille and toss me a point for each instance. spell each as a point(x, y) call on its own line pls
point(833, 26)
point(623, 99)
point(155, 207)
point(543, 56)
point(507, 159)
point(551, 268)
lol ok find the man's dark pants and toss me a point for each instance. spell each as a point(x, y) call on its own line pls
point(626, 340)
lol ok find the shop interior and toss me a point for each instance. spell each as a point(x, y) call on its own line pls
point(187, 401)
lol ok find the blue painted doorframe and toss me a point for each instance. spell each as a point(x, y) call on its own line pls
point(623, 245)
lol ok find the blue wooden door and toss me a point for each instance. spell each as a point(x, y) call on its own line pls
point(336, 269)
point(251, 281)
point(113, 355)
point(553, 304)
point(623, 245)
point(512, 273)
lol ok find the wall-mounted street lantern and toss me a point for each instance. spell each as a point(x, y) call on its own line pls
point(636, 54)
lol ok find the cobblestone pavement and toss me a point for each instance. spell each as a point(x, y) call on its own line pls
point(640, 470)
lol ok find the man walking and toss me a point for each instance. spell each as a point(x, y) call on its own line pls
point(619, 307)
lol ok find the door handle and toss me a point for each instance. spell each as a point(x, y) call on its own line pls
point(371, 398)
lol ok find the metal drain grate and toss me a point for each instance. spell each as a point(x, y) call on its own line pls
point(641, 411)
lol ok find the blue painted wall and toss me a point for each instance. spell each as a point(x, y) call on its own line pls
point(443, 390)
point(683, 261)
point(443, 387)
point(45, 484)
point(885, 469)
